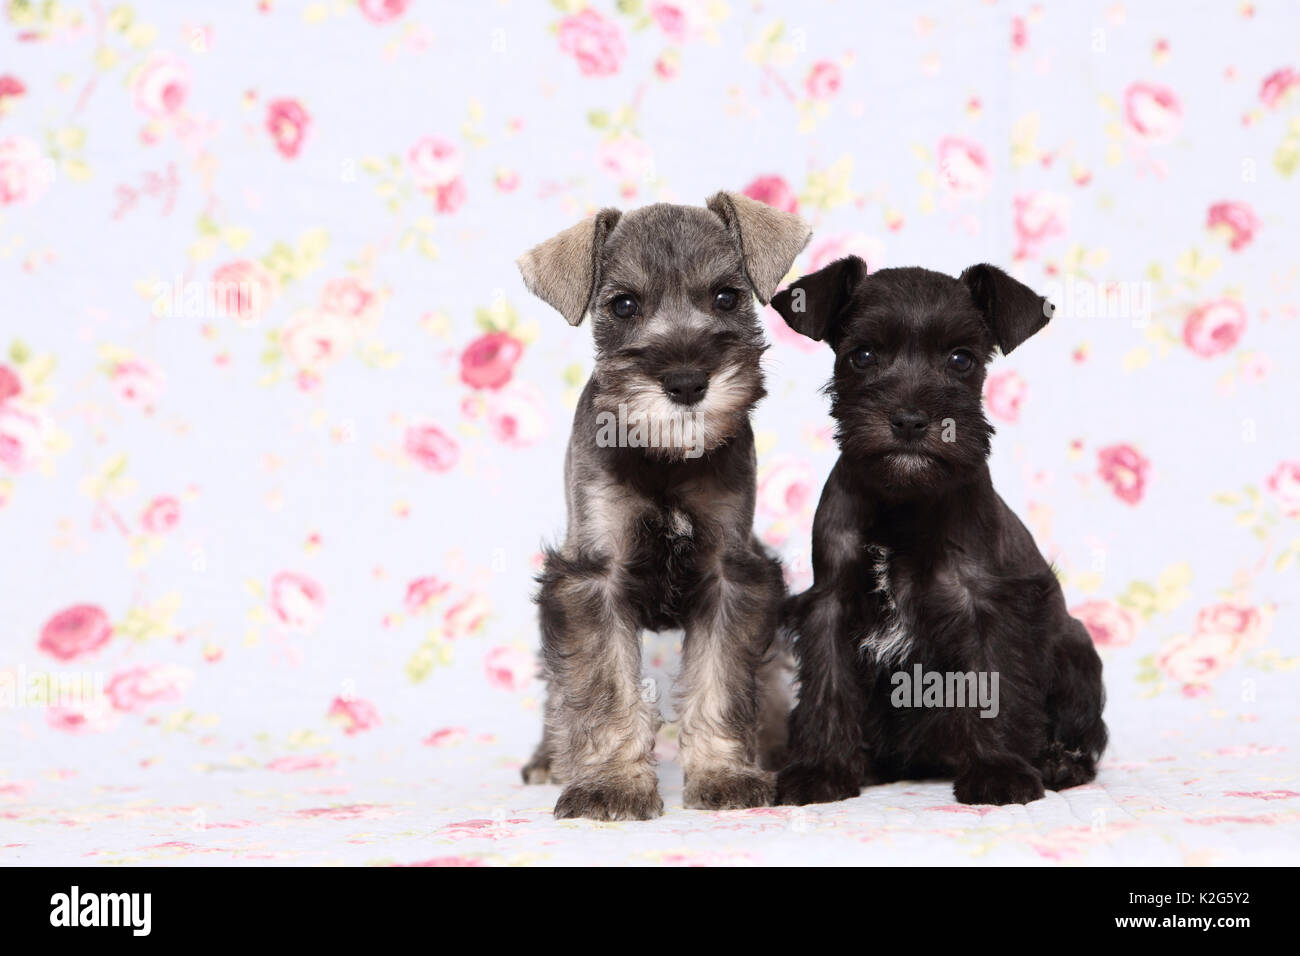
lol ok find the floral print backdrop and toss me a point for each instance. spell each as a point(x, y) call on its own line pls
point(281, 432)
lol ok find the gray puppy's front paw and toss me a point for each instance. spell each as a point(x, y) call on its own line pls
point(730, 790)
point(611, 799)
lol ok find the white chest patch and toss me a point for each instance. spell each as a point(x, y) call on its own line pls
point(890, 640)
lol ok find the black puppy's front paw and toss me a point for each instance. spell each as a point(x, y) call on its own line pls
point(800, 784)
point(999, 785)
point(1063, 768)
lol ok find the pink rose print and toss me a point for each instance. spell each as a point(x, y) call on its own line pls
point(1108, 624)
point(136, 381)
point(287, 120)
point(1273, 91)
point(299, 764)
point(824, 80)
point(382, 11)
point(75, 632)
point(1221, 633)
point(509, 668)
point(20, 436)
point(1214, 328)
point(430, 447)
point(625, 157)
point(1019, 34)
point(1234, 219)
point(11, 386)
point(446, 737)
point(1152, 112)
point(506, 180)
point(1038, 217)
point(421, 592)
point(671, 19)
point(1003, 394)
point(774, 191)
point(140, 687)
point(161, 85)
point(351, 299)
point(24, 171)
point(313, 340)
point(355, 714)
point(596, 43)
point(489, 361)
point(244, 290)
point(435, 167)
point(964, 167)
point(162, 515)
point(785, 336)
point(1126, 470)
point(515, 415)
point(785, 488)
point(10, 88)
point(467, 616)
point(1244, 624)
point(297, 601)
point(1284, 483)
point(433, 162)
point(447, 199)
point(867, 248)
point(1195, 661)
point(92, 717)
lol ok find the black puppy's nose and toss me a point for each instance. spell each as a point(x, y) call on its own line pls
point(686, 387)
point(908, 424)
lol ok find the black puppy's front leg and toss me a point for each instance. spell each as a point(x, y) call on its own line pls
point(990, 770)
point(828, 761)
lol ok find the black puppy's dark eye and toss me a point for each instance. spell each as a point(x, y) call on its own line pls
point(861, 358)
point(625, 306)
point(724, 300)
point(961, 361)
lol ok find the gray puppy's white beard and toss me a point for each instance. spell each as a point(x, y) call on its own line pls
point(640, 415)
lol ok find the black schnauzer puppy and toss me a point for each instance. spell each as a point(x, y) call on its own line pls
point(660, 478)
point(920, 571)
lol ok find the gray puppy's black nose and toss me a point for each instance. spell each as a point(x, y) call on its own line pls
point(908, 424)
point(686, 387)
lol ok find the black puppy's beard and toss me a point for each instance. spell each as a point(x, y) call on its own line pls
point(899, 470)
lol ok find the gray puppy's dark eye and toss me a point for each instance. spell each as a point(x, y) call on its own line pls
point(861, 358)
point(625, 306)
point(724, 300)
point(961, 361)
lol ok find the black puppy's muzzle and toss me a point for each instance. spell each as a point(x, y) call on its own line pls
point(686, 386)
point(908, 424)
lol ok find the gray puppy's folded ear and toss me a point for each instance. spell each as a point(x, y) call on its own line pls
point(564, 270)
point(768, 239)
point(1012, 310)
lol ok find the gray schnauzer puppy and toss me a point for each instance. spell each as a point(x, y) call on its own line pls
point(660, 475)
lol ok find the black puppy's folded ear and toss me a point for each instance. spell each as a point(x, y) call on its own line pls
point(768, 239)
point(813, 306)
point(564, 271)
point(1012, 310)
